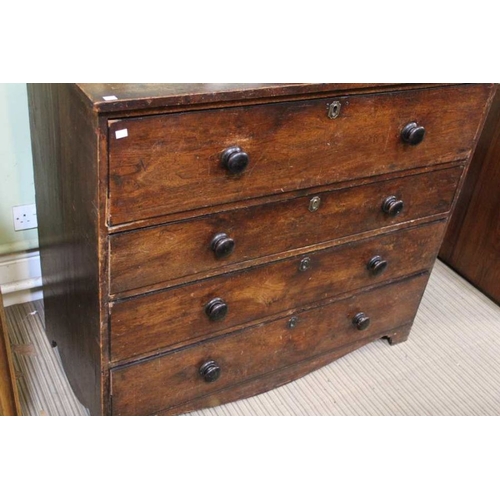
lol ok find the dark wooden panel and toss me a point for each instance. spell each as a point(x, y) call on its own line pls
point(166, 381)
point(277, 378)
point(158, 254)
point(148, 97)
point(9, 401)
point(158, 320)
point(65, 151)
point(468, 183)
point(274, 198)
point(472, 241)
point(171, 163)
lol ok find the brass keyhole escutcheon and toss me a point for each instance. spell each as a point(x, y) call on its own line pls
point(314, 203)
point(305, 264)
point(334, 110)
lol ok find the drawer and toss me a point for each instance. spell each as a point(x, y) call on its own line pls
point(155, 255)
point(166, 381)
point(172, 163)
point(156, 321)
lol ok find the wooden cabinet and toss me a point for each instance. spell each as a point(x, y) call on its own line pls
point(472, 242)
point(204, 243)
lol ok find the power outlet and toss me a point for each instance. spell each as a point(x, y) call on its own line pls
point(24, 217)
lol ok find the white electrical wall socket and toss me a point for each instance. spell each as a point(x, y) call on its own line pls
point(24, 217)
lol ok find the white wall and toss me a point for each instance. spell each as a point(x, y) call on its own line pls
point(16, 167)
point(19, 264)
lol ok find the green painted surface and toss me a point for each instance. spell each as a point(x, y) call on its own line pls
point(16, 166)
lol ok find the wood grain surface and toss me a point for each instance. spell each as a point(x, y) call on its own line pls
point(65, 157)
point(268, 381)
point(156, 321)
point(171, 163)
point(9, 400)
point(132, 98)
point(165, 381)
point(472, 241)
point(158, 254)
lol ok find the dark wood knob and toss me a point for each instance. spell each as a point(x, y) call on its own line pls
point(216, 309)
point(210, 371)
point(392, 206)
point(235, 160)
point(413, 134)
point(377, 265)
point(222, 245)
point(361, 321)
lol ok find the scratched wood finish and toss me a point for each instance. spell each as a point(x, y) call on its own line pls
point(277, 378)
point(171, 163)
point(157, 321)
point(295, 150)
point(274, 198)
point(158, 254)
point(472, 242)
point(64, 144)
point(132, 98)
point(9, 400)
point(153, 386)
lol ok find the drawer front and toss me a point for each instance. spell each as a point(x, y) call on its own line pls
point(166, 381)
point(155, 255)
point(172, 163)
point(154, 322)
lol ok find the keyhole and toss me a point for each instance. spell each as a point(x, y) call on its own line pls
point(334, 110)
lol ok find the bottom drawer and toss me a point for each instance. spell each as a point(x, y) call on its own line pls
point(163, 382)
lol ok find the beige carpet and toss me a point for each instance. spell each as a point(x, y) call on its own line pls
point(449, 366)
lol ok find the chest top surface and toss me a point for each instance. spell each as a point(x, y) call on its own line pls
point(114, 97)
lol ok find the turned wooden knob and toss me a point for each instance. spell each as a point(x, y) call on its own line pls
point(361, 321)
point(392, 206)
point(222, 245)
point(234, 159)
point(216, 309)
point(210, 371)
point(377, 265)
point(413, 134)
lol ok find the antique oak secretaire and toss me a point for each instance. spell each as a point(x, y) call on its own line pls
point(202, 243)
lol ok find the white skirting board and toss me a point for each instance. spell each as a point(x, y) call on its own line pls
point(20, 277)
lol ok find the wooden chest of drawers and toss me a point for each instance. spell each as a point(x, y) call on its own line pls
point(204, 243)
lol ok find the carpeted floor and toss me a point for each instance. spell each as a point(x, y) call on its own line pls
point(449, 366)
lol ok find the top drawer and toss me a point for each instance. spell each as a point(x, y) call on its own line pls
point(172, 163)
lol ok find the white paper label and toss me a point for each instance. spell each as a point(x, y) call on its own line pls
point(109, 97)
point(120, 134)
